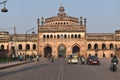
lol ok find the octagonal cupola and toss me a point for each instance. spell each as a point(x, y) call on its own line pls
point(61, 12)
point(61, 9)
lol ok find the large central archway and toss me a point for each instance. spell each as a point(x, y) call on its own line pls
point(47, 50)
point(61, 51)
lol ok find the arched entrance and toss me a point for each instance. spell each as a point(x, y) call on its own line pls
point(61, 51)
point(75, 50)
point(47, 50)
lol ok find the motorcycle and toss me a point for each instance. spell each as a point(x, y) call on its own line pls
point(114, 66)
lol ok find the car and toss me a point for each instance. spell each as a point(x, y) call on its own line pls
point(93, 60)
point(72, 59)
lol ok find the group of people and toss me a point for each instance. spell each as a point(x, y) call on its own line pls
point(31, 57)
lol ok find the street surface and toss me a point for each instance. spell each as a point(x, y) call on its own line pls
point(60, 70)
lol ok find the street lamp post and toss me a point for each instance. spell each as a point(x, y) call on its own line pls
point(26, 41)
point(4, 9)
point(33, 40)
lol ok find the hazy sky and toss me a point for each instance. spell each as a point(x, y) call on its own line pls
point(103, 16)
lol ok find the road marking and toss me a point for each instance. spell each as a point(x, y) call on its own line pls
point(60, 72)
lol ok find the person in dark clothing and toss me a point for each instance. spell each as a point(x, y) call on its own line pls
point(48, 56)
point(21, 57)
point(114, 59)
point(52, 57)
point(82, 59)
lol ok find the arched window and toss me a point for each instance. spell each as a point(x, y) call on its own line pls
point(61, 36)
point(75, 35)
point(43, 36)
point(27, 47)
point(111, 55)
point(54, 36)
point(103, 46)
point(58, 36)
point(68, 36)
point(51, 36)
point(79, 36)
point(96, 46)
point(47, 36)
point(72, 36)
point(20, 47)
point(34, 46)
point(2, 47)
point(89, 46)
point(104, 55)
point(96, 54)
point(65, 36)
point(111, 46)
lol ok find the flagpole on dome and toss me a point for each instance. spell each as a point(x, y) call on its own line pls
point(61, 5)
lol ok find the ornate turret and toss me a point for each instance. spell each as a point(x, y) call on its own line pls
point(61, 11)
point(85, 21)
point(42, 20)
point(81, 21)
point(38, 21)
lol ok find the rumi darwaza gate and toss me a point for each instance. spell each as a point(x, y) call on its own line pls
point(60, 36)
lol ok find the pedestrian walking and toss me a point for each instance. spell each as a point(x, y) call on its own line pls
point(38, 57)
point(52, 57)
point(21, 57)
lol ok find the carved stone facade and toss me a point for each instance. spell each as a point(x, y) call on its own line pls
point(64, 32)
point(62, 35)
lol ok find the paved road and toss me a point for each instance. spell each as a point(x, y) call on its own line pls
point(60, 70)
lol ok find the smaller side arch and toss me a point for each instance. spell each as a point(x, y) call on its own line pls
point(47, 50)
